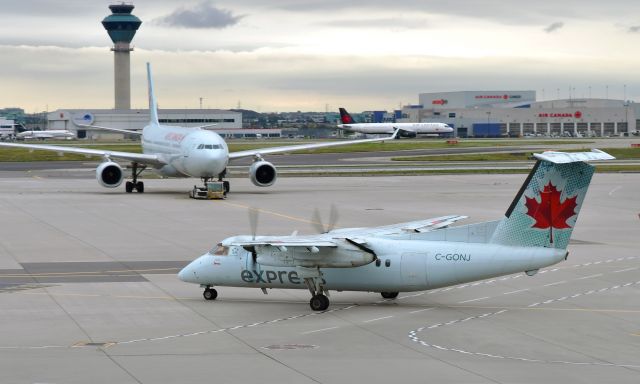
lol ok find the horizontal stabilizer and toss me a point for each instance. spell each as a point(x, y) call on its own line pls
point(572, 157)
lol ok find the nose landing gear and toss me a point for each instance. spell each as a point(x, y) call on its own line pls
point(209, 293)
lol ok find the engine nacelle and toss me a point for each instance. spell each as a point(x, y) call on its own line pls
point(262, 173)
point(109, 174)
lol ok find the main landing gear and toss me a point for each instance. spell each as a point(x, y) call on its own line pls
point(136, 170)
point(314, 281)
point(389, 295)
point(209, 293)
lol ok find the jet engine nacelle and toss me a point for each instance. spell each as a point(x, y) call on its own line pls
point(109, 174)
point(262, 173)
point(408, 134)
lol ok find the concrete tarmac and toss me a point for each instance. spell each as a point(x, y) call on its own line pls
point(88, 289)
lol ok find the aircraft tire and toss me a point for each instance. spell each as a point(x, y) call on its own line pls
point(319, 302)
point(227, 187)
point(389, 295)
point(140, 187)
point(210, 294)
point(128, 186)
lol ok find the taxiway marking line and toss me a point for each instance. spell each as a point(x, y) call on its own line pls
point(271, 213)
point(90, 273)
point(519, 290)
point(478, 299)
point(590, 276)
point(379, 318)
point(626, 270)
point(318, 330)
point(421, 310)
point(556, 283)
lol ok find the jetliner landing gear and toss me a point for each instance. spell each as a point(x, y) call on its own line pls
point(389, 295)
point(135, 184)
point(313, 280)
point(209, 293)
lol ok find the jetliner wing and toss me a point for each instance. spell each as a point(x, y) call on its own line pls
point(302, 147)
point(141, 158)
point(111, 129)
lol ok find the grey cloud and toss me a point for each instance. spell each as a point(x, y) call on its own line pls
point(554, 27)
point(634, 29)
point(202, 15)
point(392, 22)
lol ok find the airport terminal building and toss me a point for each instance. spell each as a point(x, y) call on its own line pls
point(227, 123)
point(517, 113)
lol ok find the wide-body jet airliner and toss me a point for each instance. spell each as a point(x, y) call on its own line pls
point(406, 129)
point(180, 152)
point(413, 256)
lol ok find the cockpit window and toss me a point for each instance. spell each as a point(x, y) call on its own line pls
point(209, 146)
point(220, 250)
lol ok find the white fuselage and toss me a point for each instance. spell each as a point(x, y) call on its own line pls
point(380, 128)
point(189, 152)
point(51, 134)
point(405, 265)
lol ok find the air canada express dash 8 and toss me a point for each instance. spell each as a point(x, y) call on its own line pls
point(413, 256)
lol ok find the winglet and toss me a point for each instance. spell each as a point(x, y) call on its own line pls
point(153, 105)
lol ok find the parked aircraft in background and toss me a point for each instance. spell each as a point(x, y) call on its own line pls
point(180, 152)
point(414, 256)
point(406, 129)
point(50, 134)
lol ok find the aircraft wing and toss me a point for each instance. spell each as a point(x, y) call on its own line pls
point(418, 226)
point(287, 243)
point(128, 156)
point(111, 129)
point(302, 147)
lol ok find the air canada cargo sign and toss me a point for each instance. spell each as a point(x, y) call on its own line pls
point(498, 97)
point(575, 115)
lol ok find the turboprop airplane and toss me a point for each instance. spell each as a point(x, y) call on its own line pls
point(406, 129)
point(415, 256)
point(181, 152)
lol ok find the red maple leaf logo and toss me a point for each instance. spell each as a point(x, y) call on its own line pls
point(550, 212)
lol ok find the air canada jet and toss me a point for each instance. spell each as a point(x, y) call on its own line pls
point(406, 129)
point(534, 233)
point(47, 134)
point(180, 152)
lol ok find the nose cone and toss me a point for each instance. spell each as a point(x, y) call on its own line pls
point(192, 273)
point(207, 163)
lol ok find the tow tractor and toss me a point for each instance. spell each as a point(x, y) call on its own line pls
point(213, 190)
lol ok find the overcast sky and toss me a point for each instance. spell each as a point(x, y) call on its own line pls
point(287, 55)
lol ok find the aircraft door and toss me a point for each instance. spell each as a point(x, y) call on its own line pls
point(414, 269)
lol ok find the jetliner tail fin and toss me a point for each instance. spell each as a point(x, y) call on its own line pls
point(345, 117)
point(546, 207)
point(153, 105)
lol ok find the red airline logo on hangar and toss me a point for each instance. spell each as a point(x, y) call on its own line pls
point(576, 114)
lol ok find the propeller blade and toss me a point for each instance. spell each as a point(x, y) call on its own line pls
point(333, 218)
point(253, 221)
point(316, 221)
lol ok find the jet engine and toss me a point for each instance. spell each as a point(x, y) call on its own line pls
point(109, 174)
point(262, 173)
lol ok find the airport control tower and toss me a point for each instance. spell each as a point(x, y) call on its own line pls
point(122, 26)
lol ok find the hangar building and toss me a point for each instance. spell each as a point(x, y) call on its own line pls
point(227, 123)
point(517, 113)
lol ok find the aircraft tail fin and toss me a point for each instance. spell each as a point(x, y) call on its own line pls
point(153, 105)
point(546, 207)
point(345, 117)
